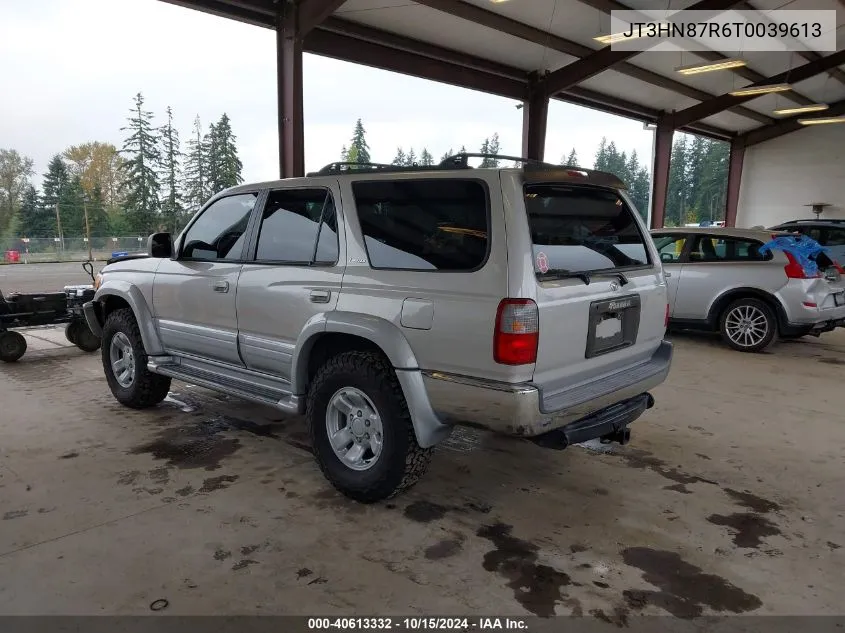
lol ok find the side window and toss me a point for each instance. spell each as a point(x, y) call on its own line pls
point(670, 247)
point(835, 237)
point(298, 226)
point(431, 224)
point(708, 248)
point(218, 234)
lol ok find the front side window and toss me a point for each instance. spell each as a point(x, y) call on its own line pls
point(218, 234)
point(431, 224)
point(298, 226)
point(670, 247)
point(579, 229)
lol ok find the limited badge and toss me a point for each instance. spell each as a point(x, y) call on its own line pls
point(542, 262)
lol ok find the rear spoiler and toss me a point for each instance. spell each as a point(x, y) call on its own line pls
point(552, 173)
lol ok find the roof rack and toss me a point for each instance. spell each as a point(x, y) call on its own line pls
point(536, 171)
point(815, 220)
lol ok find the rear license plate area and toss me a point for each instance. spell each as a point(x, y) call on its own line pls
point(613, 325)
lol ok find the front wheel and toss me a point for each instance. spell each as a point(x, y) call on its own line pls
point(361, 429)
point(748, 325)
point(125, 363)
point(12, 346)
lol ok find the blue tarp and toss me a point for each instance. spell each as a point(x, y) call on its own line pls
point(804, 249)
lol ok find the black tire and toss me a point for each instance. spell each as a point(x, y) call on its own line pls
point(12, 346)
point(86, 340)
point(72, 330)
point(757, 309)
point(402, 461)
point(146, 389)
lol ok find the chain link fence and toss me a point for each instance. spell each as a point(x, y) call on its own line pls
point(33, 250)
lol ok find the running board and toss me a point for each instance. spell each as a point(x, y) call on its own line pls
point(277, 398)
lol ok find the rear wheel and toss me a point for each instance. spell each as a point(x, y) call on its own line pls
point(125, 363)
point(748, 325)
point(71, 330)
point(12, 346)
point(361, 429)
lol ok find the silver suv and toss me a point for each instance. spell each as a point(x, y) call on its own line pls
point(390, 304)
point(720, 279)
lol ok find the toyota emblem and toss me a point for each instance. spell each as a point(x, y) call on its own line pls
point(614, 285)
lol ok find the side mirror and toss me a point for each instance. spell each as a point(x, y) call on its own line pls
point(666, 257)
point(160, 245)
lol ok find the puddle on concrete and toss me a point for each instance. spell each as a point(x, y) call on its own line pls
point(462, 440)
point(752, 501)
point(536, 587)
point(749, 529)
point(646, 461)
point(218, 483)
point(684, 589)
point(444, 549)
point(425, 511)
point(832, 361)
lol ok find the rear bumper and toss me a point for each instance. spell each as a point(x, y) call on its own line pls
point(524, 410)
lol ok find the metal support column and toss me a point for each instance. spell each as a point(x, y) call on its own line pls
point(734, 180)
point(289, 80)
point(535, 114)
point(660, 171)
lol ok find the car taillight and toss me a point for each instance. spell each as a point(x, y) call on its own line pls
point(794, 270)
point(517, 332)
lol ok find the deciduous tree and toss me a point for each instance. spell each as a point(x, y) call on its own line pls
point(15, 172)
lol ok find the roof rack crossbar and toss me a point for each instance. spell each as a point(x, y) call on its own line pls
point(461, 159)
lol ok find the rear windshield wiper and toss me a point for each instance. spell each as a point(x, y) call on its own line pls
point(584, 275)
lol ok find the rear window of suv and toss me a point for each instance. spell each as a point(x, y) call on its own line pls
point(431, 224)
point(582, 229)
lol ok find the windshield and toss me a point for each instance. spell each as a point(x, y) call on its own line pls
point(582, 229)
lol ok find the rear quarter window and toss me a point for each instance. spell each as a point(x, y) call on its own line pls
point(431, 224)
point(583, 229)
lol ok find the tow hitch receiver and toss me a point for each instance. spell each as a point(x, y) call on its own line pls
point(608, 425)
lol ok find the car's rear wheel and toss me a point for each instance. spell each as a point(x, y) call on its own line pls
point(78, 333)
point(748, 325)
point(125, 363)
point(12, 346)
point(361, 429)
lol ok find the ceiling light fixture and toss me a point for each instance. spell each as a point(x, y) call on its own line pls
point(813, 107)
point(613, 38)
point(821, 121)
point(752, 91)
point(706, 67)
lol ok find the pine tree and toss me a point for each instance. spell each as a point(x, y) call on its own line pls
point(400, 158)
point(359, 151)
point(447, 155)
point(54, 189)
point(426, 159)
point(224, 165)
point(196, 170)
point(172, 209)
point(570, 160)
point(98, 218)
point(600, 162)
point(490, 146)
point(15, 171)
point(141, 149)
point(411, 158)
point(344, 154)
point(678, 190)
point(34, 220)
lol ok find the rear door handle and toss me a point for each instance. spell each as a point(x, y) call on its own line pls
point(220, 286)
point(320, 296)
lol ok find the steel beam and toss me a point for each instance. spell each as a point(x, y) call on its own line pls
point(312, 13)
point(535, 114)
point(786, 126)
point(289, 81)
point(734, 178)
point(725, 101)
point(528, 33)
point(663, 136)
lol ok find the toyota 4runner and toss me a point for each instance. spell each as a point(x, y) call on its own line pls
point(390, 304)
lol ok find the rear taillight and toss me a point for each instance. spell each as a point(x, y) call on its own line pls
point(517, 332)
point(794, 270)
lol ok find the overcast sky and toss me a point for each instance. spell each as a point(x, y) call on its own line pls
point(72, 67)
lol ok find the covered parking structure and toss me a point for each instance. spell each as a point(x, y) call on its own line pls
point(537, 50)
